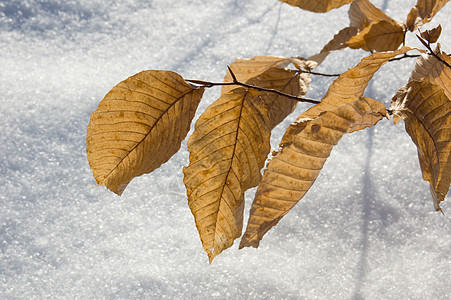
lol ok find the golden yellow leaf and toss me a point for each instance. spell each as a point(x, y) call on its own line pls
point(245, 69)
point(228, 148)
point(347, 88)
point(293, 169)
point(318, 6)
point(138, 126)
point(428, 68)
point(423, 12)
point(378, 36)
point(426, 111)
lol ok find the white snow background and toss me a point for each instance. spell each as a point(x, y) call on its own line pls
point(366, 230)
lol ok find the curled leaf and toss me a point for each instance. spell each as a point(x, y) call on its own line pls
point(138, 126)
point(295, 166)
point(318, 6)
point(426, 111)
point(361, 14)
point(338, 42)
point(423, 12)
point(432, 35)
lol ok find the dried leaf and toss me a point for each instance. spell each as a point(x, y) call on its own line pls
point(413, 20)
point(138, 126)
point(227, 150)
point(347, 88)
point(427, 114)
point(432, 35)
point(423, 12)
point(337, 43)
point(245, 69)
point(293, 169)
point(319, 6)
point(362, 12)
point(289, 82)
point(378, 36)
point(428, 68)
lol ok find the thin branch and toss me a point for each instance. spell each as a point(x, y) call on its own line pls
point(404, 56)
point(431, 52)
point(320, 74)
point(258, 88)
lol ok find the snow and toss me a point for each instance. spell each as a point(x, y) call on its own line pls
point(366, 229)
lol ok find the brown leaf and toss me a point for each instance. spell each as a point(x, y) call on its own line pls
point(413, 21)
point(378, 36)
point(428, 68)
point(138, 126)
point(432, 35)
point(337, 43)
point(347, 88)
point(287, 81)
point(293, 169)
point(245, 69)
point(423, 12)
point(227, 150)
point(427, 114)
point(319, 6)
point(362, 12)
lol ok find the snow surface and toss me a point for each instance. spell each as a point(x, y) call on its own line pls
point(366, 230)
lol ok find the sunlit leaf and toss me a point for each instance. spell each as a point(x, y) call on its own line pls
point(423, 12)
point(245, 69)
point(347, 88)
point(429, 68)
point(138, 126)
point(362, 12)
point(378, 36)
point(337, 43)
point(289, 82)
point(228, 148)
point(361, 15)
point(295, 166)
point(426, 111)
point(319, 6)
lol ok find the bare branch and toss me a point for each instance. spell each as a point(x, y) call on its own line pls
point(258, 88)
point(431, 52)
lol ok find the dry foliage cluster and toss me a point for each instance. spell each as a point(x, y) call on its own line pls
point(142, 121)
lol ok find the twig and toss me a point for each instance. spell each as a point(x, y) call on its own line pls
point(404, 56)
point(320, 74)
point(236, 82)
point(431, 52)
